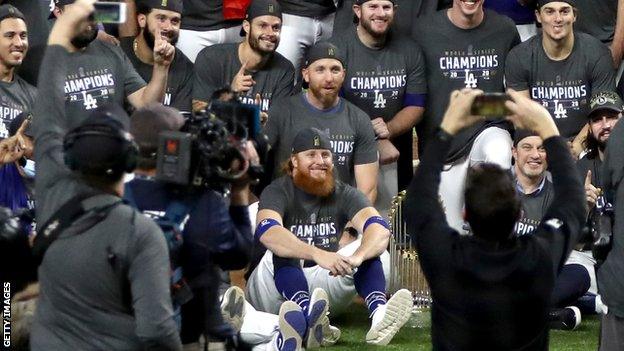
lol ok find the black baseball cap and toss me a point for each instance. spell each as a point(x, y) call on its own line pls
point(170, 5)
point(541, 3)
point(310, 138)
point(605, 100)
point(520, 134)
point(10, 11)
point(59, 3)
point(323, 50)
point(259, 8)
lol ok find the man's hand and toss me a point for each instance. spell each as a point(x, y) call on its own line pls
point(11, 150)
point(336, 264)
point(242, 83)
point(530, 115)
point(264, 117)
point(457, 115)
point(591, 192)
point(70, 23)
point(380, 128)
point(103, 36)
point(355, 261)
point(163, 52)
point(387, 152)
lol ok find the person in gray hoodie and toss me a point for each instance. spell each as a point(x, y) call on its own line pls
point(104, 282)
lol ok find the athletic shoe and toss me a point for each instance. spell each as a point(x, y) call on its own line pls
point(564, 318)
point(317, 312)
point(389, 318)
point(292, 324)
point(233, 307)
point(331, 334)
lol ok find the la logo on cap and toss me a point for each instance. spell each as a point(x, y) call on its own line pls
point(271, 8)
point(330, 51)
point(163, 3)
point(316, 141)
point(12, 10)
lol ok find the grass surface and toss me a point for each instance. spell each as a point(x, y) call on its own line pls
point(355, 325)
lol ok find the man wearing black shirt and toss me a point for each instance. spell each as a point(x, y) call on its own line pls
point(492, 290)
point(252, 69)
point(163, 19)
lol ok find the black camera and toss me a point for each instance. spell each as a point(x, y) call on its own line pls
point(601, 228)
point(207, 151)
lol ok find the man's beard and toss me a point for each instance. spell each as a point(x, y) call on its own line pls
point(369, 29)
point(85, 38)
point(151, 40)
point(317, 187)
point(254, 43)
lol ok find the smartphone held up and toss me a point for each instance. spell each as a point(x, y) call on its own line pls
point(491, 106)
point(110, 12)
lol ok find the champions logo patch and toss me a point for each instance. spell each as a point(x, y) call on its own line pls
point(89, 88)
point(470, 65)
point(560, 97)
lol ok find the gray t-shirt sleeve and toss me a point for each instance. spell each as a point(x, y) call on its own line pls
point(274, 197)
point(603, 74)
point(365, 143)
point(417, 73)
point(148, 274)
point(516, 71)
point(353, 201)
point(206, 79)
point(286, 85)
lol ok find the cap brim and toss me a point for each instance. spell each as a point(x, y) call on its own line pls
point(610, 108)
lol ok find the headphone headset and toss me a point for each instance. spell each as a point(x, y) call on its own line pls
point(127, 160)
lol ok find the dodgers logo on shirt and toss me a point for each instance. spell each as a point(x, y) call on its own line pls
point(560, 96)
point(89, 87)
point(470, 65)
point(379, 85)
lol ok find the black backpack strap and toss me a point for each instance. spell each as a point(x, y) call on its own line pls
point(62, 219)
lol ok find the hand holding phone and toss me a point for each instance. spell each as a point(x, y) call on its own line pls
point(491, 106)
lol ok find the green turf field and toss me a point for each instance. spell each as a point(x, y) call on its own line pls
point(355, 325)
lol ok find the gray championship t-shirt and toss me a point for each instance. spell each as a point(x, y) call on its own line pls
point(534, 207)
point(382, 81)
point(15, 97)
point(100, 74)
point(461, 58)
point(308, 8)
point(563, 87)
point(597, 18)
point(179, 88)
point(216, 66)
point(315, 220)
point(349, 129)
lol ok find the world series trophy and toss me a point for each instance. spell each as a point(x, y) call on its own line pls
point(405, 270)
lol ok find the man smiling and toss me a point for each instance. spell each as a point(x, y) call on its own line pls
point(561, 68)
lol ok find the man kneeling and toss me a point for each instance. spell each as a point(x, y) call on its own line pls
point(301, 217)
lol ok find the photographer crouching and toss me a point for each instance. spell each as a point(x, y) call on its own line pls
point(104, 273)
point(213, 234)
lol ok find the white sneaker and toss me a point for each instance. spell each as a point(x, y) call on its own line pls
point(317, 314)
point(389, 318)
point(233, 307)
point(292, 324)
point(331, 334)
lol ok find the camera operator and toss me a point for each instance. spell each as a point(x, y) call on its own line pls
point(210, 224)
point(104, 274)
point(492, 290)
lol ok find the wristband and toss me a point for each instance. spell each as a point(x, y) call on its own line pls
point(265, 225)
point(376, 219)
